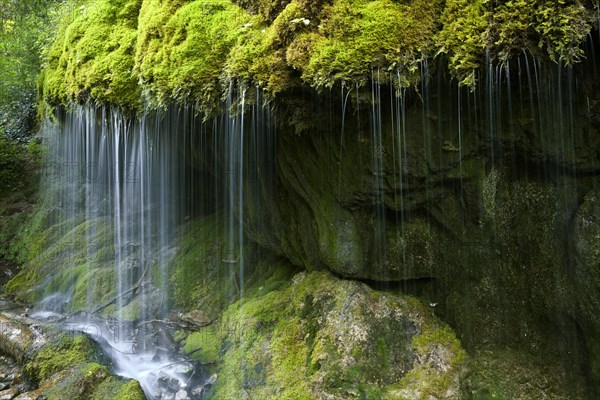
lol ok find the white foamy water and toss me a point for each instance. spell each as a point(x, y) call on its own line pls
point(162, 373)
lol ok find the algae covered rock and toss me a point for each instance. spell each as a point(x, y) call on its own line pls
point(320, 337)
point(69, 367)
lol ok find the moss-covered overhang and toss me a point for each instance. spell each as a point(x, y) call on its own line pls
point(136, 53)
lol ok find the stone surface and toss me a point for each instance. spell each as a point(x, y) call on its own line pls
point(320, 337)
point(9, 394)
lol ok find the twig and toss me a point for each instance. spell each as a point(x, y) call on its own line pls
point(133, 289)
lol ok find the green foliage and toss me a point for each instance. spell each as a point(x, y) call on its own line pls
point(25, 28)
point(562, 26)
point(358, 37)
point(12, 167)
point(509, 28)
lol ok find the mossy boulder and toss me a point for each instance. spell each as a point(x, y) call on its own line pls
point(68, 367)
point(322, 337)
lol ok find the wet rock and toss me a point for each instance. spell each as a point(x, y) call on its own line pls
point(167, 383)
point(182, 395)
point(196, 318)
point(167, 396)
point(211, 380)
point(17, 379)
point(9, 394)
point(16, 337)
point(586, 274)
point(30, 396)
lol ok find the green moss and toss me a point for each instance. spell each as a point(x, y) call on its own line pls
point(193, 50)
point(93, 55)
point(434, 344)
point(129, 391)
point(70, 351)
point(359, 37)
point(182, 48)
point(463, 38)
point(559, 27)
point(199, 275)
point(69, 257)
point(68, 368)
point(204, 345)
point(508, 29)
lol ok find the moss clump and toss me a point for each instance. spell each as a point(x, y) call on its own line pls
point(93, 54)
point(510, 28)
point(437, 350)
point(69, 351)
point(462, 37)
point(204, 345)
point(182, 47)
point(359, 37)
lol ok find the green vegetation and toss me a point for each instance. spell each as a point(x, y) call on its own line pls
point(25, 30)
point(359, 38)
point(541, 28)
point(92, 56)
point(12, 165)
point(148, 53)
point(181, 48)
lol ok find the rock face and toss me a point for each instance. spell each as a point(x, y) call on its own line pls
point(485, 198)
point(585, 272)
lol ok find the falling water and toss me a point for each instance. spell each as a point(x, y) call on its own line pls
point(137, 178)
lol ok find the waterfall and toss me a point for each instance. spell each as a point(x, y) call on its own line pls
point(129, 184)
point(132, 182)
